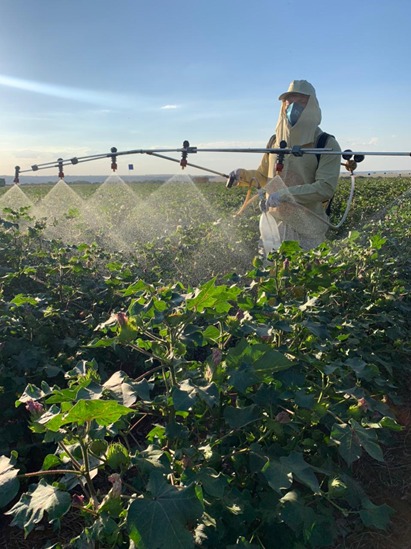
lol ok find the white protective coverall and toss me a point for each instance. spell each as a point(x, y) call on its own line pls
point(304, 180)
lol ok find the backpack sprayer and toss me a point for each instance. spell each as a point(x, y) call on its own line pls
point(351, 160)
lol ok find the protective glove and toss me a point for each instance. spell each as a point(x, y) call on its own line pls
point(233, 179)
point(263, 205)
point(273, 200)
point(262, 202)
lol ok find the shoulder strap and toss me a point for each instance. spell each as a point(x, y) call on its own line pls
point(321, 142)
point(271, 142)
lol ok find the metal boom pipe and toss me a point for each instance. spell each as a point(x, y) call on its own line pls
point(295, 151)
point(188, 164)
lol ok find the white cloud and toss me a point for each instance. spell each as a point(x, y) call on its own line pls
point(65, 92)
point(168, 107)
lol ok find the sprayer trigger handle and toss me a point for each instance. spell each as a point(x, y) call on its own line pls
point(232, 180)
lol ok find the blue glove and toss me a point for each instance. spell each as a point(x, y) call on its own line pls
point(273, 200)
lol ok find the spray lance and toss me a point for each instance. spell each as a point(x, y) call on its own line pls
point(270, 235)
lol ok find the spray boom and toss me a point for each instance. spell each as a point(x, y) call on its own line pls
point(187, 149)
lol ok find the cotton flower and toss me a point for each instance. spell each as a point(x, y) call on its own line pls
point(35, 408)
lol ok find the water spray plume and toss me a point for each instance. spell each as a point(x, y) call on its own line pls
point(351, 160)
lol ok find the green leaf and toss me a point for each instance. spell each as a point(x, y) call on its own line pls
point(239, 417)
point(209, 394)
point(304, 400)
point(368, 440)
point(263, 359)
point(162, 520)
point(40, 498)
point(125, 390)
point(51, 461)
point(390, 423)
point(104, 412)
point(21, 299)
point(277, 475)
point(354, 235)
point(362, 369)
point(210, 296)
point(292, 511)
point(31, 392)
point(270, 361)
point(375, 516)
point(243, 377)
point(212, 333)
point(377, 241)
point(352, 438)
point(9, 483)
point(213, 483)
point(64, 395)
point(176, 431)
point(186, 395)
point(184, 398)
point(290, 247)
point(316, 328)
point(302, 470)
point(257, 458)
point(348, 444)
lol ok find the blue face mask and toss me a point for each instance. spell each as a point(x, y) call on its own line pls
point(293, 113)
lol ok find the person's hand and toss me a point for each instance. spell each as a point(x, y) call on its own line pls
point(273, 200)
point(232, 180)
point(263, 204)
point(235, 177)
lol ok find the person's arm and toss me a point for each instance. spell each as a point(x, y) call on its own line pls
point(260, 175)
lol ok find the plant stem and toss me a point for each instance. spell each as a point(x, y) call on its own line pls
point(51, 472)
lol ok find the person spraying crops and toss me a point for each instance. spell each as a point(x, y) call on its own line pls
point(297, 187)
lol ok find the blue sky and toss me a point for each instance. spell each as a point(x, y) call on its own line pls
point(78, 77)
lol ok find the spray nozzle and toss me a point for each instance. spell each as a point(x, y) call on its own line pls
point(350, 164)
point(280, 158)
point(186, 149)
point(184, 154)
point(16, 175)
point(113, 159)
point(60, 165)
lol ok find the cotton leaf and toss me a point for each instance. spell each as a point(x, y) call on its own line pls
point(9, 483)
point(348, 445)
point(375, 516)
point(162, 520)
point(302, 470)
point(278, 476)
point(40, 498)
point(104, 412)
